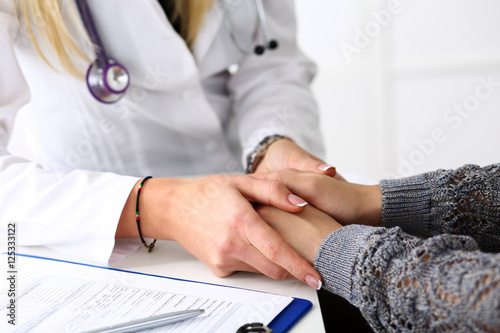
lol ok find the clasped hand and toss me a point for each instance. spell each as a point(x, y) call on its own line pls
point(254, 223)
point(214, 219)
point(219, 210)
point(333, 203)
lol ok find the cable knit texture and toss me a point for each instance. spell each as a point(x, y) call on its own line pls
point(436, 280)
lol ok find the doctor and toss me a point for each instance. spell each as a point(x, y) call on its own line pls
point(199, 102)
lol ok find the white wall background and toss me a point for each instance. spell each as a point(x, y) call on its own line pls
point(401, 83)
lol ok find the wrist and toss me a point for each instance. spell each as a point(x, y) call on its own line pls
point(257, 155)
point(153, 216)
point(337, 257)
point(372, 204)
point(126, 225)
point(156, 209)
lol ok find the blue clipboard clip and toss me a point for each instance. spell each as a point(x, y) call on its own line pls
point(254, 328)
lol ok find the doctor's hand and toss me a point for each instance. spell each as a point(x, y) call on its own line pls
point(347, 203)
point(213, 218)
point(304, 231)
point(286, 154)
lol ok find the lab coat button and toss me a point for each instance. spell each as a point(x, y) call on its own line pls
point(190, 94)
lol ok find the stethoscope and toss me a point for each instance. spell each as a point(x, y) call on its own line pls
point(269, 44)
point(108, 80)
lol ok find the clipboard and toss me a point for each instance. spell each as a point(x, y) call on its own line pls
point(281, 323)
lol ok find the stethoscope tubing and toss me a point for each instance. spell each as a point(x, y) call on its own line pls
point(261, 15)
point(88, 21)
point(228, 22)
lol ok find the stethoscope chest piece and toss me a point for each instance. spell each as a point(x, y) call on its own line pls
point(109, 83)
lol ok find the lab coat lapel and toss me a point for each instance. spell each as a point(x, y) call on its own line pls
point(208, 31)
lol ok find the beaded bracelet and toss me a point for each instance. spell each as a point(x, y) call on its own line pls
point(138, 220)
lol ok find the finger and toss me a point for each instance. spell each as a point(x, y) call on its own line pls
point(304, 232)
point(270, 193)
point(327, 169)
point(247, 265)
point(246, 258)
point(291, 178)
point(273, 247)
point(295, 181)
point(255, 262)
point(241, 256)
point(312, 164)
point(339, 177)
point(304, 161)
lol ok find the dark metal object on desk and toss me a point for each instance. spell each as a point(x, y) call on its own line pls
point(254, 328)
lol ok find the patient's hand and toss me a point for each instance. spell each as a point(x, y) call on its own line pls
point(304, 231)
point(284, 154)
point(348, 203)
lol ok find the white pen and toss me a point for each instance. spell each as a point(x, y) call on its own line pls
point(149, 322)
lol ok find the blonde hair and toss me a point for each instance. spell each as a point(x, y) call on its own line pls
point(46, 16)
point(191, 14)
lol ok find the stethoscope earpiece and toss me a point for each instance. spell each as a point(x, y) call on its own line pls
point(258, 49)
point(273, 44)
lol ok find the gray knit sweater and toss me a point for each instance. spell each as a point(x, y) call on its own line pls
point(443, 277)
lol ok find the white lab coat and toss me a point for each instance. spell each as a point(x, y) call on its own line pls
point(68, 162)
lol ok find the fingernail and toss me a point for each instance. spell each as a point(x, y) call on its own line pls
point(297, 201)
point(314, 282)
point(324, 167)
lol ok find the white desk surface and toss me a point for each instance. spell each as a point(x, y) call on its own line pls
point(170, 259)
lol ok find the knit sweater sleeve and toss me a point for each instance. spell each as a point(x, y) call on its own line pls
point(465, 201)
point(402, 283)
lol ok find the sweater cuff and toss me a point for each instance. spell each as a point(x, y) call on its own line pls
point(406, 203)
point(337, 257)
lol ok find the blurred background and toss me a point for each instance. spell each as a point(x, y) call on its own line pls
point(405, 86)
